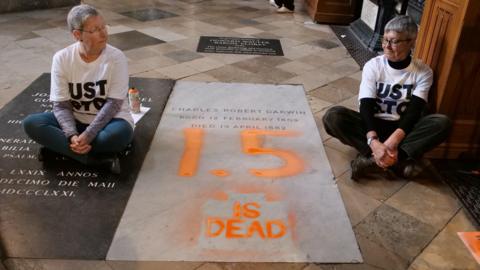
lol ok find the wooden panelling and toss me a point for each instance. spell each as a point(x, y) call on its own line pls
point(333, 11)
point(449, 41)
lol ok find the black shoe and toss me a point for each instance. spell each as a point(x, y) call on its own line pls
point(360, 166)
point(110, 163)
point(407, 169)
point(115, 166)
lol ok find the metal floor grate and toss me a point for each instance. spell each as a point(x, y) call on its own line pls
point(358, 52)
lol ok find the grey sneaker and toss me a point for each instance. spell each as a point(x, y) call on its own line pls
point(272, 2)
point(283, 9)
point(360, 166)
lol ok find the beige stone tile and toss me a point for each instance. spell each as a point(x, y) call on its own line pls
point(200, 77)
point(248, 30)
point(376, 185)
point(230, 73)
point(425, 204)
point(150, 64)
point(339, 162)
point(376, 255)
point(150, 74)
point(343, 148)
point(296, 67)
point(352, 266)
point(177, 71)
point(129, 265)
point(351, 103)
point(210, 266)
point(317, 104)
point(321, 128)
point(40, 264)
point(358, 205)
point(162, 34)
point(140, 53)
point(204, 64)
point(263, 266)
point(115, 29)
point(311, 80)
point(163, 48)
point(332, 94)
point(447, 251)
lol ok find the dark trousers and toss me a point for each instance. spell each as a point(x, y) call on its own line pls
point(287, 3)
point(347, 126)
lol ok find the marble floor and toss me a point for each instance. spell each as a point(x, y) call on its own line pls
point(398, 224)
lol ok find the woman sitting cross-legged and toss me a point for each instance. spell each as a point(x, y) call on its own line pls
point(90, 121)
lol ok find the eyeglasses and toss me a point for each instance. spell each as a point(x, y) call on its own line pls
point(393, 42)
point(95, 30)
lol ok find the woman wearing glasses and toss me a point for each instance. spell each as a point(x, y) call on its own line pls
point(90, 121)
point(391, 131)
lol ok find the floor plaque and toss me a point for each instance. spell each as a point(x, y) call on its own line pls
point(59, 208)
point(234, 45)
point(236, 172)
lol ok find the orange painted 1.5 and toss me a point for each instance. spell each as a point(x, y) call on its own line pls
point(252, 142)
point(191, 154)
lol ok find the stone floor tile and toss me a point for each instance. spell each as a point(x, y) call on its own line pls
point(183, 55)
point(163, 48)
point(397, 232)
point(296, 67)
point(201, 77)
point(204, 64)
point(425, 204)
point(248, 30)
point(263, 266)
point(331, 93)
point(115, 29)
point(378, 256)
point(150, 74)
point(150, 64)
point(339, 162)
point(447, 250)
point(37, 264)
point(140, 53)
point(210, 266)
point(338, 145)
point(130, 265)
point(177, 71)
point(351, 103)
point(317, 104)
point(310, 80)
point(358, 205)
point(162, 34)
point(321, 128)
point(230, 73)
point(353, 266)
point(376, 185)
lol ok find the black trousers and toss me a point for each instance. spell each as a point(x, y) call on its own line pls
point(287, 3)
point(347, 126)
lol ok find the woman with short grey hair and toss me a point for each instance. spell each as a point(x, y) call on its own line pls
point(391, 131)
point(90, 122)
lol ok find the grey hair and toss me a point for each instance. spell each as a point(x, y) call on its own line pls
point(78, 15)
point(402, 24)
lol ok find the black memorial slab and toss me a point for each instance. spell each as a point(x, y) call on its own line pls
point(132, 40)
point(149, 14)
point(60, 208)
point(234, 45)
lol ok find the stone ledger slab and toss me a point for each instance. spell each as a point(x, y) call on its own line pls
point(235, 45)
point(236, 172)
point(60, 209)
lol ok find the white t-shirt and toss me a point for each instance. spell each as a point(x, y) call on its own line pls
point(88, 85)
point(393, 88)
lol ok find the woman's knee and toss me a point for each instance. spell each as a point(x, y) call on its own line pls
point(32, 123)
point(441, 122)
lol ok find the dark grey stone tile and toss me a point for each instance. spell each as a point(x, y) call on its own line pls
point(323, 43)
point(183, 55)
point(397, 232)
point(248, 22)
point(247, 9)
point(132, 40)
point(149, 14)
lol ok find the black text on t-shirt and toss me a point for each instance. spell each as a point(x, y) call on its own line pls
point(389, 95)
point(85, 95)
